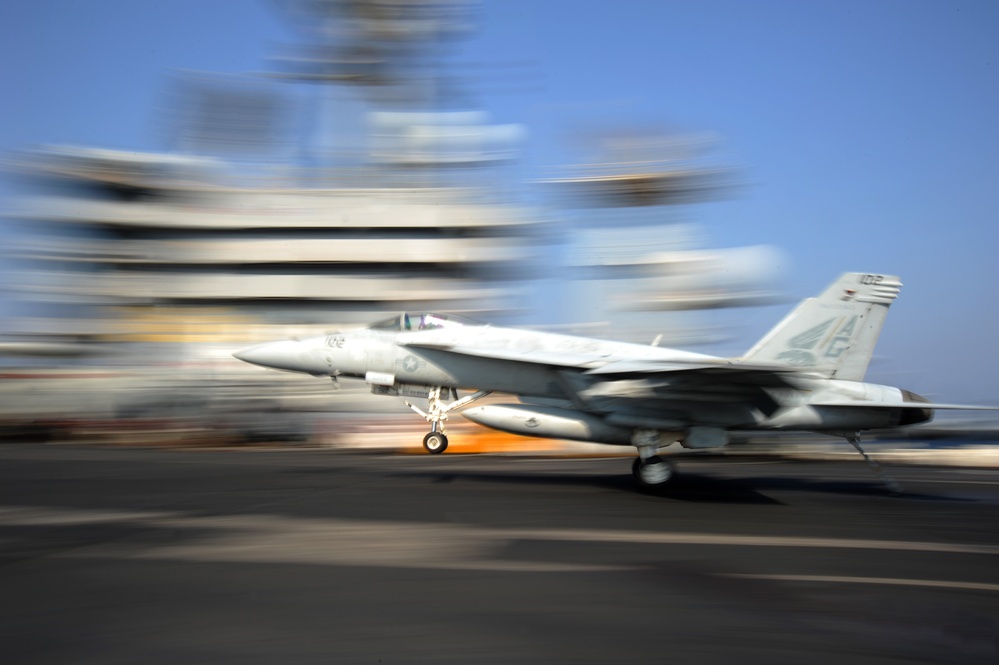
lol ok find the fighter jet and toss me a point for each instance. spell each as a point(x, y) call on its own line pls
point(806, 374)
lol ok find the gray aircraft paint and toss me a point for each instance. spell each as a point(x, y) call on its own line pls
point(805, 374)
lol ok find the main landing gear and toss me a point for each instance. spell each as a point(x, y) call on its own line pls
point(651, 472)
point(436, 441)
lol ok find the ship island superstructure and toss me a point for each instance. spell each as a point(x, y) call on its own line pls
point(148, 268)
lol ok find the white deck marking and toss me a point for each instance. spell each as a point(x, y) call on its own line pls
point(846, 579)
point(262, 538)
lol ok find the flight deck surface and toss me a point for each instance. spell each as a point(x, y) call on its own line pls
point(165, 556)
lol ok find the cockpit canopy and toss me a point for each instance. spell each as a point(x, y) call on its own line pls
point(422, 321)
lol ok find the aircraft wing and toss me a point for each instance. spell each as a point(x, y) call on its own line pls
point(703, 386)
point(524, 355)
point(721, 370)
point(604, 368)
point(516, 350)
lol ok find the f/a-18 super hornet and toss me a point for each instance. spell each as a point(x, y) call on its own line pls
point(806, 374)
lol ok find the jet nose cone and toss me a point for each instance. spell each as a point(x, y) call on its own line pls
point(266, 355)
point(286, 354)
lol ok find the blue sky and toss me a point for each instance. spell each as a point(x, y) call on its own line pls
point(867, 131)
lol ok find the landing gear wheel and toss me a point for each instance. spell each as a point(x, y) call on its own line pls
point(652, 473)
point(435, 443)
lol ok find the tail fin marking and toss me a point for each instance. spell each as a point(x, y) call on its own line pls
point(835, 333)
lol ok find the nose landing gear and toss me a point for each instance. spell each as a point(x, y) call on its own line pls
point(436, 441)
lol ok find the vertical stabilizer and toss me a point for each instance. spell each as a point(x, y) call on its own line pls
point(835, 333)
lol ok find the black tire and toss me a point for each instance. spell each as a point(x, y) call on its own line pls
point(435, 443)
point(653, 473)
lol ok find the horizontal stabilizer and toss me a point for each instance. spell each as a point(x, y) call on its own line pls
point(905, 405)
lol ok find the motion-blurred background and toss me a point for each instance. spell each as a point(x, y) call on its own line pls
point(182, 179)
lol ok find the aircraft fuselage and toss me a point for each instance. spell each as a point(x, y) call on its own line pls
point(378, 358)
